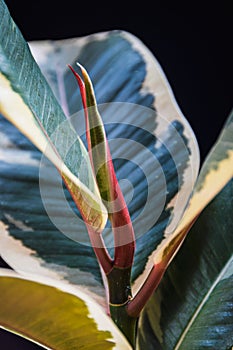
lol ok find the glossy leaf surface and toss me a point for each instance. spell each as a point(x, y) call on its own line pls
point(27, 101)
point(54, 317)
point(215, 173)
point(193, 306)
point(152, 147)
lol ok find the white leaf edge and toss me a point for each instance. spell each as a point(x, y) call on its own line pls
point(103, 322)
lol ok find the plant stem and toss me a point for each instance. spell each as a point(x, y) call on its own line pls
point(127, 324)
point(119, 297)
point(136, 305)
point(100, 250)
point(124, 239)
point(167, 251)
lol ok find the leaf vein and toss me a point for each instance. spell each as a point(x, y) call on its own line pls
point(199, 308)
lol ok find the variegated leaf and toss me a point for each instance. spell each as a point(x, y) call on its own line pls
point(153, 148)
point(27, 101)
point(192, 308)
point(54, 316)
point(215, 173)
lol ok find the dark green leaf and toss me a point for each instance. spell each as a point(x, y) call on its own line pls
point(152, 147)
point(193, 307)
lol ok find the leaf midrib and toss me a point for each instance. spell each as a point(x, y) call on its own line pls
point(199, 308)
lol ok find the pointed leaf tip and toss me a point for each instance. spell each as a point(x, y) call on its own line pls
point(90, 94)
point(81, 85)
point(82, 89)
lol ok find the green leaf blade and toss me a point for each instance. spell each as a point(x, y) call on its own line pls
point(143, 83)
point(213, 326)
point(44, 249)
point(28, 102)
point(53, 317)
point(194, 302)
point(215, 173)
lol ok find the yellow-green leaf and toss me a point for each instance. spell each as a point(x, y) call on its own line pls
point(54, 317)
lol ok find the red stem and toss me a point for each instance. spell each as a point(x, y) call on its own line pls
point(124, 238)
point(95, 236)
point(100, 250)
point(136, 305)
point(149, 286)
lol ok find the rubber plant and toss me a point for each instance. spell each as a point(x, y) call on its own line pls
point(124, 286)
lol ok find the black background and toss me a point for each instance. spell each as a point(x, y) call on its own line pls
point(192, 42)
